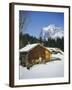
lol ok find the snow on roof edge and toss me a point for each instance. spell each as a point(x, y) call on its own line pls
point(28, 47)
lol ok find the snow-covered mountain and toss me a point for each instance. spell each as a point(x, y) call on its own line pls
point(51, 31)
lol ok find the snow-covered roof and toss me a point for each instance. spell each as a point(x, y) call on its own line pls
point(28, 47)
point(54, 49)
point(51, 48)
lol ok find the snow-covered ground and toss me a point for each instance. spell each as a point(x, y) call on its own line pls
point(54, 68)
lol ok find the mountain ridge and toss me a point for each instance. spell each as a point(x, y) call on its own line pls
point(51, 31)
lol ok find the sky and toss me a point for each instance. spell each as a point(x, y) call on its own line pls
point(36, 20)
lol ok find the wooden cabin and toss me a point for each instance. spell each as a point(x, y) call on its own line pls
point(33, 54)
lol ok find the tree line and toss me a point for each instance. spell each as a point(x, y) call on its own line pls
point(24, 39)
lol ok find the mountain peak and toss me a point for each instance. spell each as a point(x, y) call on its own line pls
point(51, 26)
point(51, 31)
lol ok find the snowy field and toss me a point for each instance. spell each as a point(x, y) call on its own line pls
point(54, 68)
